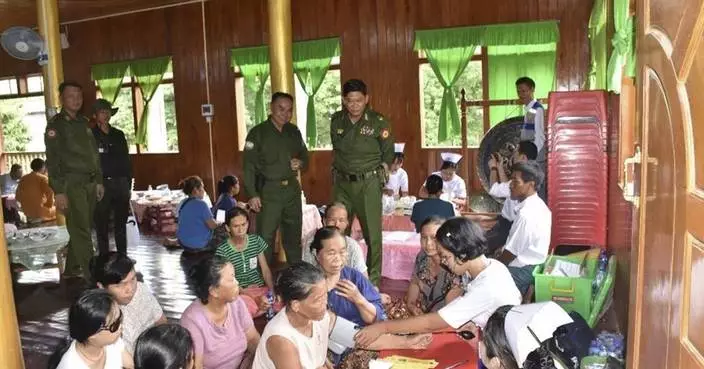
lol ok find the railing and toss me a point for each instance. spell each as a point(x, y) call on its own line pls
point(21, 158)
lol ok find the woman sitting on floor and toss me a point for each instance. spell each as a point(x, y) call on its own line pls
point(228, 188)
point(95, 325)
point(432, 286)
point(167, 346)
point(222, 329)
point(246, 254)
point(197, 230)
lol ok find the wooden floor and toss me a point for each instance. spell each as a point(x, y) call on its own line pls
point(42, 304)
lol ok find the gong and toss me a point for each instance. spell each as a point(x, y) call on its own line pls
point(502, 138)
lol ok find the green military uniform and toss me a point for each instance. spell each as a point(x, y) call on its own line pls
point(74, 170)
point(360, 149)
point(268, 175)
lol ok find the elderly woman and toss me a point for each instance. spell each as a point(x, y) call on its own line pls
point(166, 346)
point(298, 336)
point(432, 287)
point(461, 247)
point(219, 321)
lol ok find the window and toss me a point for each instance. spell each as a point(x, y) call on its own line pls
point(327, 101)
point(22, 113)
point(162, 131)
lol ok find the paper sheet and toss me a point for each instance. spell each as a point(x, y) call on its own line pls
point(567, 269)
point(402, 362)
point(220, 216)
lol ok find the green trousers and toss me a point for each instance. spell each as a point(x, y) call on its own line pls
point(281, 208)
point(363, 200)
point(81, 194)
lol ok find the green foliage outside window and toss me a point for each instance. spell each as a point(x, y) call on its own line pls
point(15, 133)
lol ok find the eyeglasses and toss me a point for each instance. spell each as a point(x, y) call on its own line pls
point(114, 326)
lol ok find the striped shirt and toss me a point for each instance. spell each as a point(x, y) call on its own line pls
point(246, 264)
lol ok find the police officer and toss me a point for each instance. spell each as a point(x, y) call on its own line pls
point(117, 178)
point(273, 154)
point(363, 151)
point(74, 175)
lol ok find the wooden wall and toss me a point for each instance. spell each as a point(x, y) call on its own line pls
point(377, 46)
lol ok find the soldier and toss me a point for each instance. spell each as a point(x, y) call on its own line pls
point(364, 150)
point(117, 178)
point(273, 154)
point(74, 175)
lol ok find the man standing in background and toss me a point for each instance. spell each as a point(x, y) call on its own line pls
point(363, 152)
point(74, 175)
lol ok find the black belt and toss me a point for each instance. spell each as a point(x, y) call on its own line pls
point(358, 176)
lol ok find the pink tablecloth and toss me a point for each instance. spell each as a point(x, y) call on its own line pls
point(398, 254)
point(389, 223)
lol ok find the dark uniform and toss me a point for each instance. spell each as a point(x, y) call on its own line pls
point(360, 149)
point(74, 170)
point(117, 179)
point(268, 175)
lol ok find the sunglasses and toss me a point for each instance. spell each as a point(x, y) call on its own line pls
point(114, 326)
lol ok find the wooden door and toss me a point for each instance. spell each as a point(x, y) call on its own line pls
point(666, 323)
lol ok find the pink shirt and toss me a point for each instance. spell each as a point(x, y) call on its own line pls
point(222, 347)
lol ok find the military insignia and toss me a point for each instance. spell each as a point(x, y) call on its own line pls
point(249, 145)
point(384, 133)
point(51, 133)
point(340, 131)
point(366, 131)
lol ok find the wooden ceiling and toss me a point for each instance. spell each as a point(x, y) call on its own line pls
point(24, 12)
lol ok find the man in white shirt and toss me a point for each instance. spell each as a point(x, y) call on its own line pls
point(529, 238)
point(397, 185)
point(500, 183)
point(9, 181)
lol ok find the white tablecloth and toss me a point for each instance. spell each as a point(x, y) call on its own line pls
point(35, 254)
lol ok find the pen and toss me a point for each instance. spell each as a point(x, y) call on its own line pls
point(455, 365)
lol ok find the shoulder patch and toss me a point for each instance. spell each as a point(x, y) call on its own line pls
point(51, 133)
point(249, 145)
point(385, 133)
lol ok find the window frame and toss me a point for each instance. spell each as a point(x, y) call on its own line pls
point(22, 90)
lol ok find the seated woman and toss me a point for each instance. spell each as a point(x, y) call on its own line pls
point(432, 205)
point(196, 224)
point(432, 287)
point(350, 294)
point(246, 254)
point(95, 325)
point(219, 322)
point(167, 346)
point(453, 185)
point(461, 247)
point(298, 336)
point(228, 188)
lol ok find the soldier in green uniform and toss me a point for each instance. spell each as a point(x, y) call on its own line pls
point(74, 175)
point(364, 150)
point(274, 152)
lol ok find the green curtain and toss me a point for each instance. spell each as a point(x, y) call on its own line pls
point(597, 41)
point(622, 42)
point(311, 61)
point(508, 63)
point(109, 78)
point(148, 73)
point(254, 66)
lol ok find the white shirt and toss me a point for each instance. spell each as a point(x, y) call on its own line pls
point(455, 187)
point(398, 182)
point(529, 237)
point(503, 190)
point(312, 351)
point(139, 315)
point(491, 289)
point(538, 137)
point(113, 357)
point(355, 256)
point(8, 185)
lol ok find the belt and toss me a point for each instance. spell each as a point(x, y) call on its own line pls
point(358, 176)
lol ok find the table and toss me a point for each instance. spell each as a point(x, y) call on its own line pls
point(446, 349)
point(34, 255)
point(141, 201)
point(389, 223)
point(399, 250)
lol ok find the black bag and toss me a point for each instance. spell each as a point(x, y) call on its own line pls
point(570, 342)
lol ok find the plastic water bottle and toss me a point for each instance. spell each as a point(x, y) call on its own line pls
point(601, 272)
point(270, 311)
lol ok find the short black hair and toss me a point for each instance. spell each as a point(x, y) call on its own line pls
point(526, 81)
point(432, 220)
point(281, 95)
point(165, 346)
point(296, 281)
point(530, 172)
point(433, 184)
point(398, 157)
point(528, 149)
point(464, 238)
point(37, 164)
point(66, 84)
point(354, 85)
point(189, 184)
point(235, 212)
point(206, 274)
point(110, 268)
point(323, 234)
point(448, 165)
point(15, 167)
point(89, 314)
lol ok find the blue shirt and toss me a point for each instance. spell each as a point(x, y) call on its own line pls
point(431, 207)
point(193, 231)
point(225, 202)
point(345, 308)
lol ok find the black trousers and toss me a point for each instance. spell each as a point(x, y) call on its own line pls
point(115, 202)
point(496, 237)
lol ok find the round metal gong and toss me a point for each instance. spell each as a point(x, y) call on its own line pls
point(502, 138)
